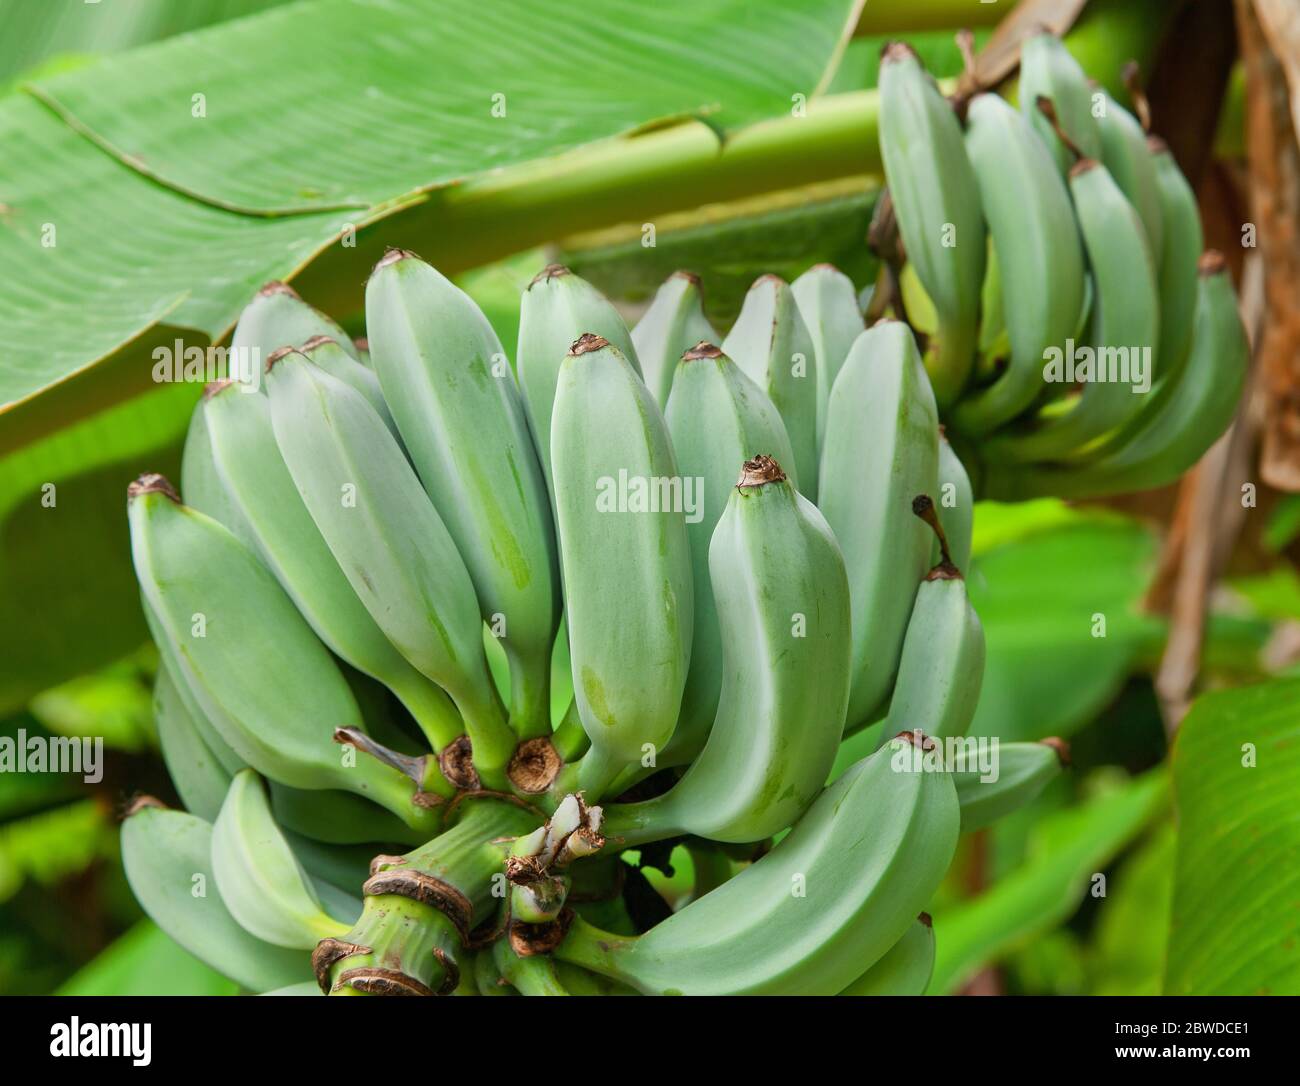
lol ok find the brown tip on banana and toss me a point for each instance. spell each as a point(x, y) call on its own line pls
point(918, 739)
point(140, 802)
point(759, 471)
point(392, 255)
point(275, 286)
point(1212, 262)
point(586, 343)
point(551, 271)
point(277, 354)
point(152, 483)
point(689, 276)
point(895, 51)
point(702, 350)
point(1061, 747)
point(1131, 74)
point(213, 387)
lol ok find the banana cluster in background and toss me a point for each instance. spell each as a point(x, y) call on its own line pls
point(1036, 235)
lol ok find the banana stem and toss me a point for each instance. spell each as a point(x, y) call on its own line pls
point(570, 738)
point(434, 712)
point(628, 825)
point(595, 949)
point(530, 697)
point(533, 976)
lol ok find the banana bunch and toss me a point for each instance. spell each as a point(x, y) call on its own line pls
point(1078, 340)
point(743, 548)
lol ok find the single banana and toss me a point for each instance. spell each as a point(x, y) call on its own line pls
point(627, 563)
point(168, 860)
point(1039, 256)
point(821, 908)
point(390, 542)
point(941, 668)
point(258, 482)
point(453, 394)
point(1182, 243)
point(255, 668)
point(277, 317)
point(1186, 421)
point(937, 205)
point(770, 342)
point(783, 610)
point(260, 879)
point(1022, 771)
point(956, 506)
point(881, 450)
point(1125, 154)
point(333, 358)
point(200, 779)
point(906, 968)
point(1047, 70)
point(673, 324)
point(717, 418)
point(201, 486)
point(338, 818)
point(554, 311)
point(829, 307)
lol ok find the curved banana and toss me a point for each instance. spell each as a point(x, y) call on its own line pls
point(1047, 70)
point(828, 304)
point(260, 879)
point(277, 317)
point(813, 914)
point(770, 342)
point(259, 484)
point(941, 668)
point(1039, 257)
point(168, 861)
point(673, 324)
point(881, 450)
point(1182, 243)
point(937, 205)
point(1175, 433)
point(453, 394)
point(905, 970)
point(331, 356)
point(1125, 154)
point(201, 486)
point(1022, 771)
point(717, 418)
point(627, 563)
point(390, 542)
point(956, 506)
point(782, 598)
point(200, 779)
point(255, 668)
point(556, 308)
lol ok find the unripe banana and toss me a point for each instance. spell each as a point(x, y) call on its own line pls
point(717, 418)
point(275, 318)
point(390, 542)
point(782, 597)
point(770, 342)
point(258, 483)
point(956, 506)
point(201, 486)
point(627, 564)
point(1125, 154)
point(881, 450)
point(937, 205)
point(168, 860)
point(1039, 256)
point(817, 911)
point(260, 879)
point(829, 307)
point(673, 324)
point(1047, 70)
point(200, 779)
point(331, 356)
point(554, 311)
point(1023, 771)
point(1182, 243)
point(941, 668)
point(453, 394)
point(257, 671)
point(905, 970)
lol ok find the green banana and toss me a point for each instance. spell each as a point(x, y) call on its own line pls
point(277, 317)
point(941, 668)
point(256, 670)
point(338, 818)
point(331, 356)
point(813, 914)
point(453, 394)
point(717, 418)
point(200, 483)
point(167, 857)
point(1039, 257)
point(770, 342)
point(1022, 771)
point(782, 602)
point(906, 968)
point(829, 307)
point(1047, 70)
point(881, 450)
point(673, 324)
point(200, 779)
point(1125, 154)
point(627, 565)
point(956, 505)
point(1174, 434)
point(267, 500)
point(261, 881)
point(390, 542)
point(1182, 243)
point(937, 205)
point(554, 311)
